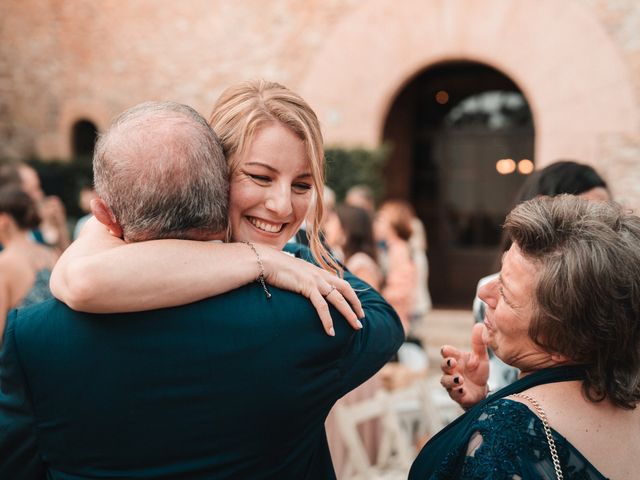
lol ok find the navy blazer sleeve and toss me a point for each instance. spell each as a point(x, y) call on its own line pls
point(373, 346)
point(19, 457)
point(368, 349)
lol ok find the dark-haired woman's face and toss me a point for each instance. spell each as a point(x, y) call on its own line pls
point(599, 194)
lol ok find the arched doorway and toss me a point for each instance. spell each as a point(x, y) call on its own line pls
point(83, 138)
point(448, 129)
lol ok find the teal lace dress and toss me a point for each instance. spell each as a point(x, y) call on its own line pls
point(514, 446)
point(508, 442)
point(40, 290)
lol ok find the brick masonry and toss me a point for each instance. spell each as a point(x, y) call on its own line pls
point(578, 62)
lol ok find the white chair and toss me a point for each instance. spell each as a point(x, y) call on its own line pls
point(394, 457)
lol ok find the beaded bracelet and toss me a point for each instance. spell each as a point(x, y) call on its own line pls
point(261, 275)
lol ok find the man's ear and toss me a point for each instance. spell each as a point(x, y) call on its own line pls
point(106, 217)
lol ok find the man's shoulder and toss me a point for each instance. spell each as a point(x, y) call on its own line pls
point(43, 310)
point(40, 316)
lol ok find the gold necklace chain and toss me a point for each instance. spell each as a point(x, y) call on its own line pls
point(547, 431)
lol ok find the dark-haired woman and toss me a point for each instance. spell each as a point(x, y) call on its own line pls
point(349, 231)
point(25, 266)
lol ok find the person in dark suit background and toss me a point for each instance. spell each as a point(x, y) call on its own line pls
point(234, 386)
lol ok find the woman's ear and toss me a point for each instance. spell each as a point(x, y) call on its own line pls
point(106, 217)
point(560, 359)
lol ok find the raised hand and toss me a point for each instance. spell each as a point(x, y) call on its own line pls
point(318, 285)
point(465, 374)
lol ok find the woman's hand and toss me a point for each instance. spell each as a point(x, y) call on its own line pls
point(465, 374)
point(318, 285)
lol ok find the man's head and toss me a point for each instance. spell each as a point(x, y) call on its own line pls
point(160, 172)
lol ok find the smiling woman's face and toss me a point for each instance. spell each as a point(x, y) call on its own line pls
point(510, 308)
point(271, 187)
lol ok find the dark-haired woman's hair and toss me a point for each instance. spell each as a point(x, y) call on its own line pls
point(358, 228)
point(561, 177)
point(20, 207)
point(564, 176)
point(587, 294)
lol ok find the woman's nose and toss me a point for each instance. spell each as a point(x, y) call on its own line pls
point(488, 292)
point(279, 202)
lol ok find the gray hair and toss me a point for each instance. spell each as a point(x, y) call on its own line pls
point(587, 298)
point(161, 170)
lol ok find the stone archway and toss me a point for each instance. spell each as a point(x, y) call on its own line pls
point(83, 138)
point(557, 52)
point(460, 138)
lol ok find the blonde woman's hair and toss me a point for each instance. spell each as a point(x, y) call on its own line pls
point(246, 107)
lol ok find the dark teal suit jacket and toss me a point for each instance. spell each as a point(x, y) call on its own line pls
point(235, 386)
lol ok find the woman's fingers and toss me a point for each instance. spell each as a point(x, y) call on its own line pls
point(451, 382)
point(321, 306)
point(449, 351)
point(448, 365)
point(333, 295)
point(350, 296)
point(336, 298)
point(318, 285)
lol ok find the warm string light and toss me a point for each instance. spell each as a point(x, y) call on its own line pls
point(507, 166)
point(442, 97)
point(525, 166)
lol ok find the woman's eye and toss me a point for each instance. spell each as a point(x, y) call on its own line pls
point(259, 178)
point(501, 291)
point(302, 187)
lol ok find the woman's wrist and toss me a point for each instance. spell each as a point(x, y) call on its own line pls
point(261, 276)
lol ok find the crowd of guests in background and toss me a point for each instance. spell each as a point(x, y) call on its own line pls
point(560, 317)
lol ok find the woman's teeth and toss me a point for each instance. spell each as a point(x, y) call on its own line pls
point(267, 227)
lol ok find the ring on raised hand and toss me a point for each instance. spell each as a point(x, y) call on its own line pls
point(333, 287)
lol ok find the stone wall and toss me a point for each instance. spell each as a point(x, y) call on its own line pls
point(62, 61)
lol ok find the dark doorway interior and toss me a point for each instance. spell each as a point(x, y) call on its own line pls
point(83, 138)
point(448, 129)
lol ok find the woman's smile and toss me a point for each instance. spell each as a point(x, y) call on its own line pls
point(271, 187)
point(265, 226)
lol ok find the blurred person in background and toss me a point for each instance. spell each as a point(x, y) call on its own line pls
point(393, 227)
point(361, 196)
point(422, 304)
point(53, 230)
point(25, 266)
point(393, 231)
point(561, 177)
point(349, 233)
point(86, 195)
point(564, 311)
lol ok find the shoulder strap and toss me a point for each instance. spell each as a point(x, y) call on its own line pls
point(547, 432)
